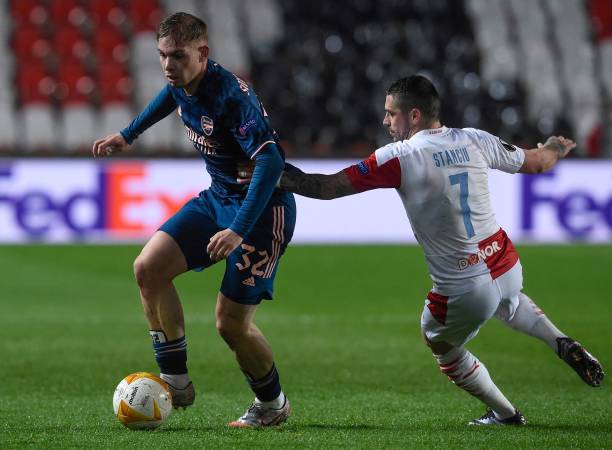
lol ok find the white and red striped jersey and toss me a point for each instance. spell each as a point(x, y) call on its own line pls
point(441, 175)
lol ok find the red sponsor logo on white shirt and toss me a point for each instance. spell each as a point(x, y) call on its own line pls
point(479, 257)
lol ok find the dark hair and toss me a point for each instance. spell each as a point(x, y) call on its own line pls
point(418, 92)
point(182, 28)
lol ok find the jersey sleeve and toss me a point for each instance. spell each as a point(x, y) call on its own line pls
point(267, 171)
point(248, 124)
point(161, 106)
point(499, 154)
point(381, 170)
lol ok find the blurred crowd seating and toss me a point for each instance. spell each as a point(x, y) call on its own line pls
point(76, 70)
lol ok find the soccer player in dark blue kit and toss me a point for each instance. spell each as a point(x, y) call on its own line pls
point(249, 226)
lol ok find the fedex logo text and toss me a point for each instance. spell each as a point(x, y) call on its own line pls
point(113, 199)
point(579, 211)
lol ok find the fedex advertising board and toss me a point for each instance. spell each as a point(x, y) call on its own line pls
point(64, 201)
point(124, 200)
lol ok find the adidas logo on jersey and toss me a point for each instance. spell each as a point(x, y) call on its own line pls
point(482, 255)
point(249, 282)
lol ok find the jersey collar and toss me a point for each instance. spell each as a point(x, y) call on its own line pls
point(431, 132)
point(210, 68)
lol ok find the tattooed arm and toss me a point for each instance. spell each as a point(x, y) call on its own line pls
point(315, 185)
point(545, 156)
point(357, 178)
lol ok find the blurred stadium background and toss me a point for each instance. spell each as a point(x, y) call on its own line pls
point(76, 70)
point(523, 69)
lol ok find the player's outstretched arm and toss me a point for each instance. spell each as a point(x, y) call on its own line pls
point(315, 185)
point(109, 145)
point(545, 156)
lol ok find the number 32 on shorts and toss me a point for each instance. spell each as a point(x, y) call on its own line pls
point(246, 260)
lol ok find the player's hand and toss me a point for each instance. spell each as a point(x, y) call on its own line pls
point(244, 171)
point(559, 144)
point(109, 145)
point(222, 244)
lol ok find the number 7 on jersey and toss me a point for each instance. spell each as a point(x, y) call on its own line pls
point(462, 180)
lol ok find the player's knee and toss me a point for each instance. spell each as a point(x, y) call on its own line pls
point(231, 330)
point(426, 341)
point(436, 347)
point(440, 348)
point(145, 272)
point(140, 271)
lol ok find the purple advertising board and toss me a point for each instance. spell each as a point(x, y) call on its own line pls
point(72, 201)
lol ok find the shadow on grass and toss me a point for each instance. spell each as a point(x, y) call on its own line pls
point(578, 427)
point(182, 429)
point(287, 428)
point(336, 427)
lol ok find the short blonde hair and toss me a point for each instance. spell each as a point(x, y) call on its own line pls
point(182, 28)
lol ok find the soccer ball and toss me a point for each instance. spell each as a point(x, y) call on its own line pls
point(142, 401)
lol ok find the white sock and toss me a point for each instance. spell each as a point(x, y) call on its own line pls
point(530, 319)
point(277, 403)
point(468, 373)
point(177, 381)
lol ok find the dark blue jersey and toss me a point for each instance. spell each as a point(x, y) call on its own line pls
point(224, 119)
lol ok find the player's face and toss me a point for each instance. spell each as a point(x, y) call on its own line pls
point(183, 64)
point(396, 121)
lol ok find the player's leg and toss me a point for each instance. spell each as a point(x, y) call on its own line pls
point(159, 262)
point(235, 325)
point(468, 373)
point(528, 318)
point(521, 313)
point(254, 356)
point(447, 324)
point(249, 278)
point(178, 246)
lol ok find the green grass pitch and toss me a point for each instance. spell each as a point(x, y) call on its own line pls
point(345, 331)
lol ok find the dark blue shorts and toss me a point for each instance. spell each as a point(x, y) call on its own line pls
point(250, 269)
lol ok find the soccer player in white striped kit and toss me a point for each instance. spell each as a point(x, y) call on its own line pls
point(440, 174)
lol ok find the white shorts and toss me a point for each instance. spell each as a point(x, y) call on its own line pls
point(457, 319)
